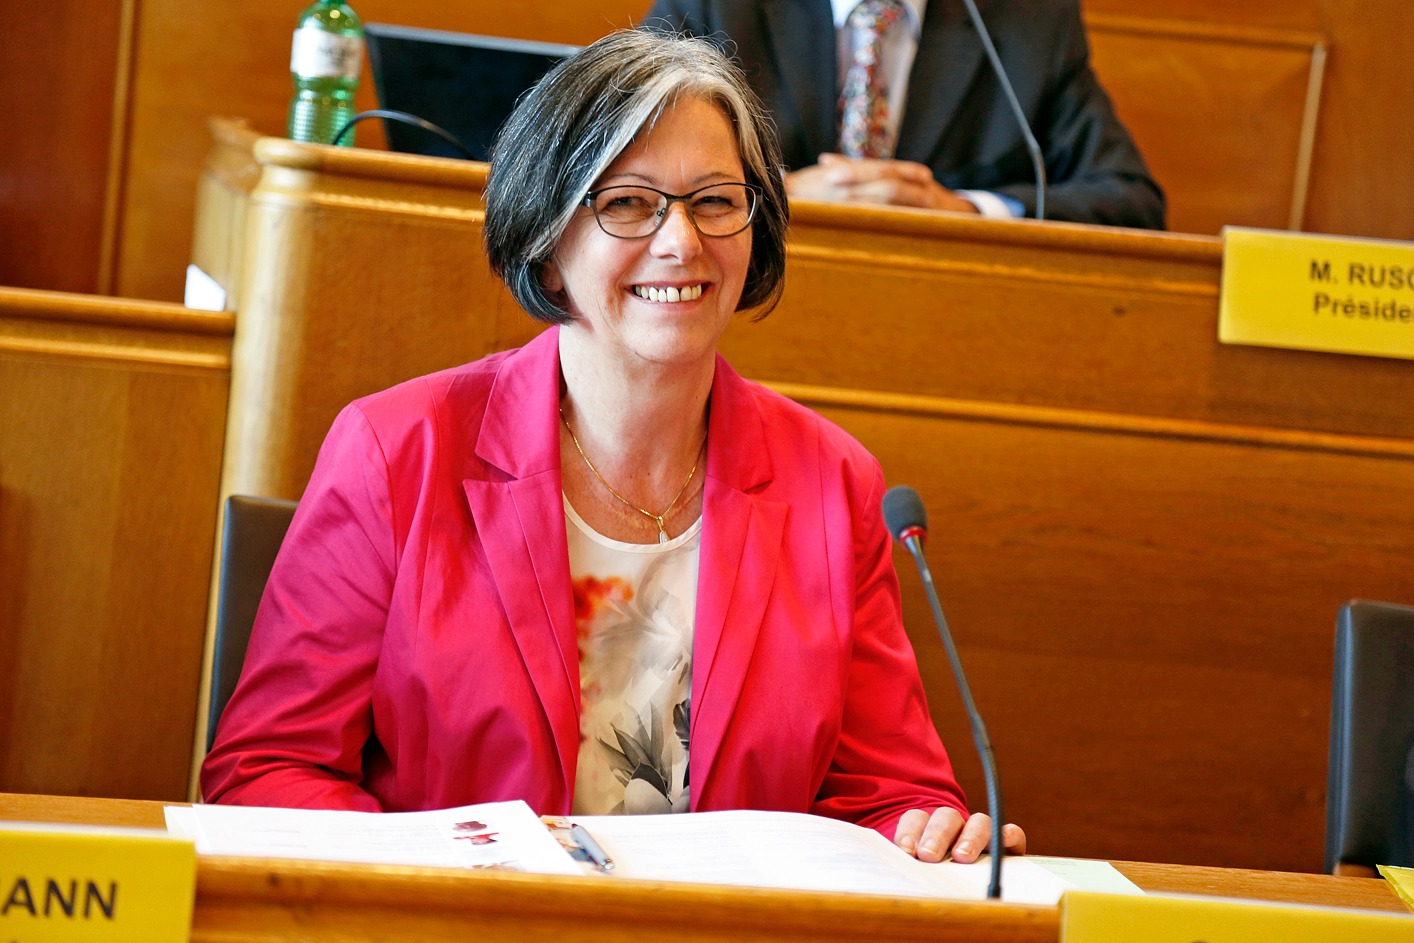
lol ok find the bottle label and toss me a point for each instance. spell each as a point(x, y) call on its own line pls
point(316, 54)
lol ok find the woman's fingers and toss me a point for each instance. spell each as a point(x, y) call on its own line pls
point(935, 837)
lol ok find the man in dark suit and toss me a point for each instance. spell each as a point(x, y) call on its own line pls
point(956, 144)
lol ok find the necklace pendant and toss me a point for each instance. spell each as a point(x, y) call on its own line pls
point(656, 518)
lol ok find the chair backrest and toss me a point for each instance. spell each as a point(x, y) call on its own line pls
point(254, 529)
point(1370, 795)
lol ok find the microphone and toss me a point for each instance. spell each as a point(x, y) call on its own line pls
point(907, 520)
point(1032, 147)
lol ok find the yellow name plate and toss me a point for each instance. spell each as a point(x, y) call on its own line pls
point(74, 885)
point(1088, 917)
point(1328, 293)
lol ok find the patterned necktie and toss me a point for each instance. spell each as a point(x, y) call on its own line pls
point(864, 102)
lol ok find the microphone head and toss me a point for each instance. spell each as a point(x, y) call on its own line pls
point(904, 514)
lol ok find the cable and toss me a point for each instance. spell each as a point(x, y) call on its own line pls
point(1032, 147)
point(405, 118)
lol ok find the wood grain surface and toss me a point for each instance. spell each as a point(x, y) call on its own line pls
point(112, 415)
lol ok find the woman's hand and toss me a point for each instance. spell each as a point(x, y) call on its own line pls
point(932, 838)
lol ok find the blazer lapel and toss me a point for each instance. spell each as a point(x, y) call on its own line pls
point(520, 524)
point(741, 543)
point(949, 57)
point(801, 37)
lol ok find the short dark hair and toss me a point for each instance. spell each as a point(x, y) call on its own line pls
point(567, 130)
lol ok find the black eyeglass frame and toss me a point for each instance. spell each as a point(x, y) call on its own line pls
point(670, 199)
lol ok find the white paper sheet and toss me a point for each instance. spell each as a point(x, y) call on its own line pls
point(754, 849)
point(203, 292)
point(504, 836)
point(804, 852)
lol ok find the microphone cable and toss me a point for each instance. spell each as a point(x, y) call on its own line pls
point(408, 119)
point(1032, 147)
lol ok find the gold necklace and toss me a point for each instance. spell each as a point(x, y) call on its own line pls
point(655, 518)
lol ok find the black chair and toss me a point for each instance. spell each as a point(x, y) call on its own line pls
point(254, 529)
point(1370, 794)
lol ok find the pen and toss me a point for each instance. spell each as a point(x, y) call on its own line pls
point(591, 848)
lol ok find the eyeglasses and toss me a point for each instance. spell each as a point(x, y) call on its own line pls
point(722, 209)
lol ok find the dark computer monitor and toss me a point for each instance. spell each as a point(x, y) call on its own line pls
point(464, 83)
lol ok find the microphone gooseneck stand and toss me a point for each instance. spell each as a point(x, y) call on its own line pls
point(908, 522)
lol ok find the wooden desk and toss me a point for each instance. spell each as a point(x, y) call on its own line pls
point(310, 901)
point(1141, 535)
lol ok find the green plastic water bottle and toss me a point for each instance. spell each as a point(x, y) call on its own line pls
point(324, 65)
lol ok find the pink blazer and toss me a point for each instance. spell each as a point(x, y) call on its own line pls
point(415, 647)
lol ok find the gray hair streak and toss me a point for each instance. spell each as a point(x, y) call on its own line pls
point(568, 129)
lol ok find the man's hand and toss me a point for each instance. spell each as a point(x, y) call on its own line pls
point(840, 179)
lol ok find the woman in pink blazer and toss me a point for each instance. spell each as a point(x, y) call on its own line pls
point(601, 573)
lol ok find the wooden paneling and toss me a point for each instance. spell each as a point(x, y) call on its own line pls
point(222, 195)
point(111, 421)
point(407, 291)
point(57, 66)
point(1053, 314)
point(1364, 148)
point(193, 59)
point(1146, 618)
point(1361, 173)
point(1226, 116)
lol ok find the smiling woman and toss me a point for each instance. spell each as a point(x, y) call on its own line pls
point(568, 130)
point(601, 573)
point(661, 298)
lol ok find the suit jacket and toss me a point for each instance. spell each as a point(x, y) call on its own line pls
point(956, 119)
point(416, 648)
